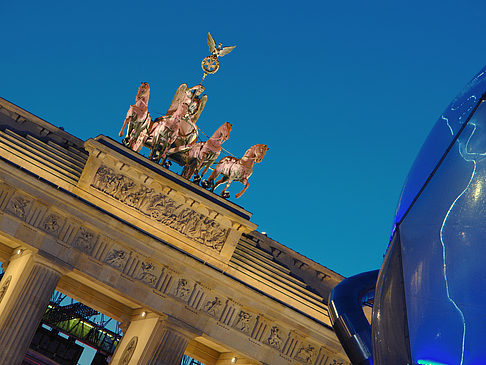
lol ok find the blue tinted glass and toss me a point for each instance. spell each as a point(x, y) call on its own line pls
point(441, 136)
point(443, 239)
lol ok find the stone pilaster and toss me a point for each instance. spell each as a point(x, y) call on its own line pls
point(25, 291)
point(153, 340)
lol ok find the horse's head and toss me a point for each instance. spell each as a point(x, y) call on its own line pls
point(257, 152)
point(143, 91)
point(226, 129)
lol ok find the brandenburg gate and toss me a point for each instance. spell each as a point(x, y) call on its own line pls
point(183, 270)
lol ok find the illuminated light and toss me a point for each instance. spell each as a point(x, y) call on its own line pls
point(429, 362)
point(477, 191)
point(19, 251)
point(444, 222)
point(233, 360)
point(144, 314)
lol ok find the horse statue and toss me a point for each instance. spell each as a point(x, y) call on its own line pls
point(236, 169)
point(138, 117)
point(176, 131)
point(204, 154)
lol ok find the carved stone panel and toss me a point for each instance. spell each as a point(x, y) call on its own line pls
point(213, 306)
point(52, 223)
point(85, 240)
point(19, 205)
point(117, 258)
point(149, 273)
point(161, 208)
point(182, 288)
point(129, 350)
point(306, 353)
point(275, 338)
point(245, 321)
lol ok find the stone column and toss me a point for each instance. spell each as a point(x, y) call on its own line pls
point(25, 291)
point(154, 340)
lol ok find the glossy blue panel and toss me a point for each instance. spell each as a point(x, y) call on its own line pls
point(443, 238)
point(439, 139)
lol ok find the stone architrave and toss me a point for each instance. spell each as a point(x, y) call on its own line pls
point(32, 283)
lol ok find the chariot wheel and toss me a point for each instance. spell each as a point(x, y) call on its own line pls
point(210, 64)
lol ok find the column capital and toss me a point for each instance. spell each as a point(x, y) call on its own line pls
point(39, 258)
point(173, 324)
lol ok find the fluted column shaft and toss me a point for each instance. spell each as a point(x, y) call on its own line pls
point(170, 348)
point(25, 299)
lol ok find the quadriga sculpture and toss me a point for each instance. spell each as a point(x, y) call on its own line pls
point(138, 117)
point(204, 154)
point(176, 131)
point(233, 169)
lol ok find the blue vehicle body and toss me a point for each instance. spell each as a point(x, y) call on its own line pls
point(430, 295)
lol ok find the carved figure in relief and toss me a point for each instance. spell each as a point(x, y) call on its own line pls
point(204, 154)
point(182, 290)
point(236, 169)
point(116, 258)
point(213, 236)
point(138, 117)
point(274, 339)
point(4, 287)
point(18, 205)
point(51, 224)
point(243, 321)
point(147, 273)
point(136, 199)
point(305, 354)
point(129, 350)
point(84, 240)
point(176, 131)
point(212, 306)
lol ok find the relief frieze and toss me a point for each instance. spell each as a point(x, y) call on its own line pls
point(19, 206)
point(243, 322)
point(275, 338)
point(305, 354)
point(213, 307)
point(84, 240)
point(148, 274)
point(117, 258)
point(161, 208)
point(52, 224)
point(183, 289)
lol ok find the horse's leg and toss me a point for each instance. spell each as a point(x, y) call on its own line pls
point(226, 187)
point(219, 182)
point(247, 184)
point(188, 169)
point(205, 169)
point(213, 177)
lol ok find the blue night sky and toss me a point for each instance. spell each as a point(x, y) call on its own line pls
point(344, 94)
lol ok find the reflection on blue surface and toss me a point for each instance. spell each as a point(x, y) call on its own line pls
point(429, 362)
point(439, 139)
point(441, 231)
point(443, 254)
